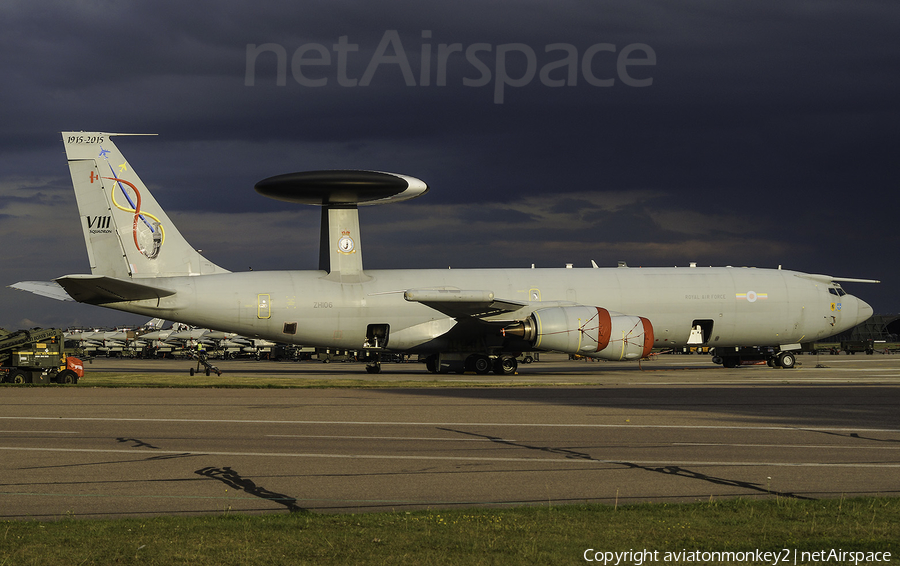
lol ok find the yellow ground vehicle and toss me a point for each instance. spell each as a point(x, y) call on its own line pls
point(37, 356)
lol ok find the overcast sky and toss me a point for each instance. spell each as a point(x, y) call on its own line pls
point(757, 133)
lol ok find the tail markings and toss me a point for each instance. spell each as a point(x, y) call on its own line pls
point(156, 229)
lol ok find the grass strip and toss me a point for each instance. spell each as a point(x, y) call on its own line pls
point(676, 533)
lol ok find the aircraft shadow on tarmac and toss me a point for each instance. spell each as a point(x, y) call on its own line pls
point(666, 470)
point(233, 479)
point(805, 406)
point(137, 443)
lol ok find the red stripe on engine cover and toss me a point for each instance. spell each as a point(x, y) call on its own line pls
point(604, 328)
point(648, 337)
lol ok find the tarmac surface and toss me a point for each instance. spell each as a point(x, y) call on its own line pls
point(673, 429)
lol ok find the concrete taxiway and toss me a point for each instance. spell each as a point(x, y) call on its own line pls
point(679, 429)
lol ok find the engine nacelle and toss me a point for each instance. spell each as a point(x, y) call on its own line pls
point(587, 331)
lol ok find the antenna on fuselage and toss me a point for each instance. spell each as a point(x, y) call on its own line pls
point(340, 193)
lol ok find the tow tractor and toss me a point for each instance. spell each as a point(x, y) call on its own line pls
point(37, 356)
point(202, 361)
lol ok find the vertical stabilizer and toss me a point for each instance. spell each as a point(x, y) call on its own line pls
point(126, 232)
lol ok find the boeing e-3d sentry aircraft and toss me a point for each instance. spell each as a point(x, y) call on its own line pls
point(472, 319)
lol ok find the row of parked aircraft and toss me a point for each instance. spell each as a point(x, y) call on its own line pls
point(151, 340)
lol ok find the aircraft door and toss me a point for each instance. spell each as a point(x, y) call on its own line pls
point(263, 306)
point(377, 335)
point(701, 331)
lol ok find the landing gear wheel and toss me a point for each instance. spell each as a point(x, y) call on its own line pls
point(505, 365)
point(786, 360)
point(192, 372)
point(431, 363)
point(374, 368)
point(481, 364)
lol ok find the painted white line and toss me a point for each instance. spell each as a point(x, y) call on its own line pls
point(574, 460)
point(413, 423)
point(390, 438)
point(847, 381)
point(861, 370)
point(38, 432)
point(810, 446)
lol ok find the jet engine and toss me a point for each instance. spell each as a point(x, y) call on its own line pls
point(587, 331)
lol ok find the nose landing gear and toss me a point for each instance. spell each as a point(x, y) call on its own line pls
point(749, 356)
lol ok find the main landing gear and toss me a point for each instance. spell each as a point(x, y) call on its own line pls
point(481, 364)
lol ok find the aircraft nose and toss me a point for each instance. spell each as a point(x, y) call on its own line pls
point(863, 311)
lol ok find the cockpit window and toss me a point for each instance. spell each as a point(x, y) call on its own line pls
point(837, 291)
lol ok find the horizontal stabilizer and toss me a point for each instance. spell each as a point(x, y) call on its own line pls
point(43, 288)
point(462, 303)
point(100, 289)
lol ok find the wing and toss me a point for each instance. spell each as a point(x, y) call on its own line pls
point(459, 303)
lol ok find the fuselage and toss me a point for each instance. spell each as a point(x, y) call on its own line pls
point(735, 306)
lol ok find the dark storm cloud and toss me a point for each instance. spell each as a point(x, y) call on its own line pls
point(768, 136)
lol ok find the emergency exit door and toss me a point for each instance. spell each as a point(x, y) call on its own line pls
point(263, 306)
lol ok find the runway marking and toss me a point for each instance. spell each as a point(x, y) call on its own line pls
point(811, 446)
point(389, 438)
point(404, 423)
point(866, 370)
point(805, 380)
point(39, 432)
point(573, 460)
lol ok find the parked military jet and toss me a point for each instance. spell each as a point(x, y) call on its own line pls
point(477, 319)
